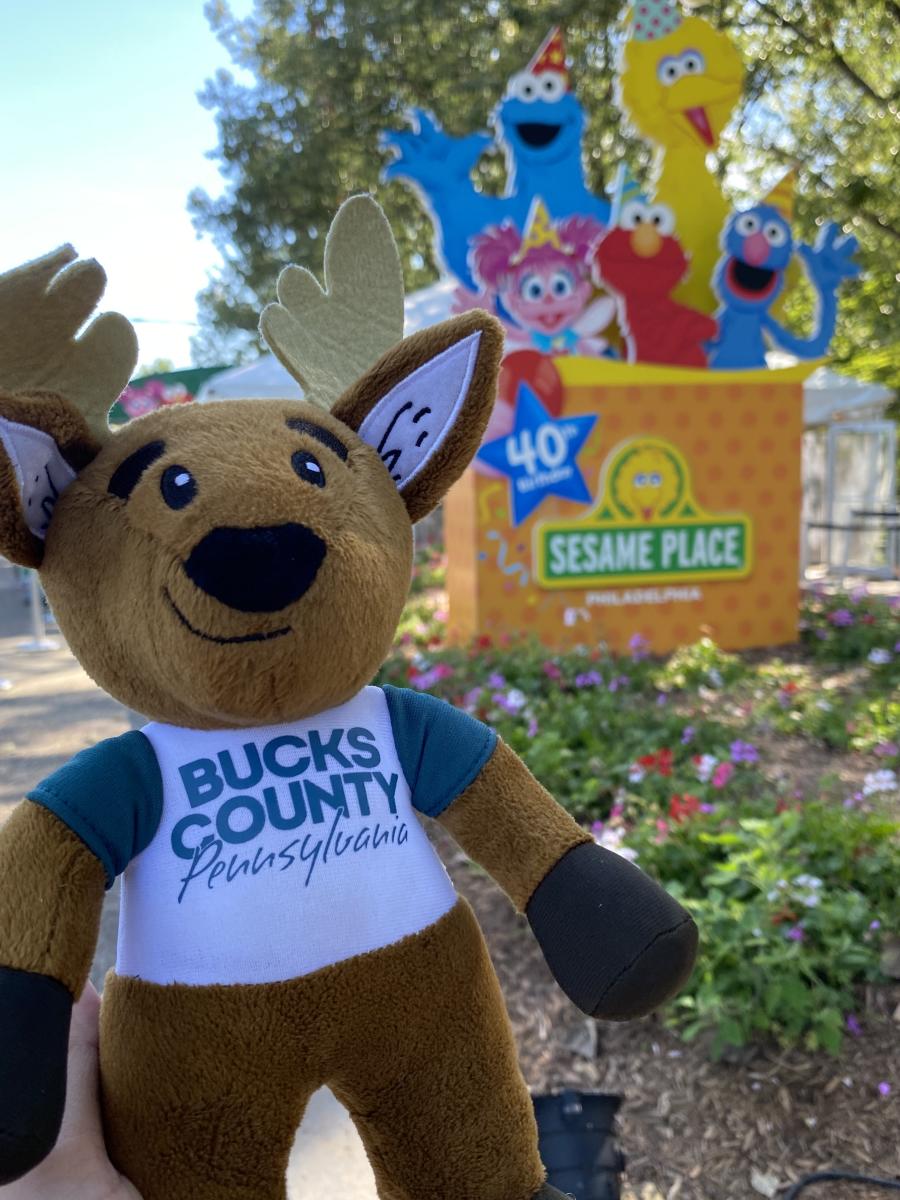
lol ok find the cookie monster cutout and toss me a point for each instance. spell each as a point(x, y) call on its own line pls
point(749, 277)
point(641, 262)
point(538, 125)
point(679, 80)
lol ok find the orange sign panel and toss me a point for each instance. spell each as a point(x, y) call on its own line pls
point(673, 513)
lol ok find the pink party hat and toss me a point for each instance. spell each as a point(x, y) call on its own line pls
point(653, 19)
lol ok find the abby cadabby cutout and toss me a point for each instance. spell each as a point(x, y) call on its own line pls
point(542, 280)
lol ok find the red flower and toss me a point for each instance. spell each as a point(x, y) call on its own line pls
point(684, 806)
point(664, 762)
point(784, 914)
point(790, 688)
point(648, 762)
point(483, 641)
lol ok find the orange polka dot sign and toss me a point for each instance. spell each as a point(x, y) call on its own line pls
point(657, 501)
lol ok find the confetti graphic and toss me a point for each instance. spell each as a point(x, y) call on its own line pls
point(508, 568)
point(484, 502)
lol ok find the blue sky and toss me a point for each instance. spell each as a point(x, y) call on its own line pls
point(102, 139)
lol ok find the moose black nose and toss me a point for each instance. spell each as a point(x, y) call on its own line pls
point(261, 569)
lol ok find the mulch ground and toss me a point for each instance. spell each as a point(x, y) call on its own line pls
point(690, 1127)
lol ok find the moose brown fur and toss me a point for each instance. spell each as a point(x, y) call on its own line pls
point(204, 1084)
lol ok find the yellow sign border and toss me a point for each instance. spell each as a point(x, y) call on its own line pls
point(598, 372)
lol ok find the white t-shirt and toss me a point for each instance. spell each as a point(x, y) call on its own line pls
point(283, 848)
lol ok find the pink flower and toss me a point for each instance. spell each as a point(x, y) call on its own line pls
point(639, 646)
point(722, 774)
point(551, 670)
point(427, 679)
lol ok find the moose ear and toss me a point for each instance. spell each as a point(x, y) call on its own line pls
point(44, 443)
point(425, 405)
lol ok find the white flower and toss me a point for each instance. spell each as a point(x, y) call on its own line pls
point(880, 781)
point(824, 705)
point(706, 764)
point(715, 677)
point(808, 881)
point(636, 773)
point(879, 656)
point(611, 839)
point(515, 700)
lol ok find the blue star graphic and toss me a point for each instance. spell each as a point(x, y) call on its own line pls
point(539, 455)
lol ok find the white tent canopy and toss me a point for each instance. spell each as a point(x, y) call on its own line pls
point(830, 397)
point(827, 396)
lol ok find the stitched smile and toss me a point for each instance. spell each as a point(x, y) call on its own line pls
point(223, 641)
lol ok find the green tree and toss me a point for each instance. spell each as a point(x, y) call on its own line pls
point(328, 76)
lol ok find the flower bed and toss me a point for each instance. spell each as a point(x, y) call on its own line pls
point(795, 892)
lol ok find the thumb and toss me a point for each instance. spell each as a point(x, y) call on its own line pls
point(82, 1127)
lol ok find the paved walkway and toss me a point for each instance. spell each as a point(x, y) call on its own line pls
point(49, 710)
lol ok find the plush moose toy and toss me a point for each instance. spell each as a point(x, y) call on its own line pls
point(236, 571)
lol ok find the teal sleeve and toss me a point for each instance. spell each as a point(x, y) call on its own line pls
point(441, 749)
point(110, 796)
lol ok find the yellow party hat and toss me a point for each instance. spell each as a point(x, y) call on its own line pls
point(539, 231)
point(782, 194)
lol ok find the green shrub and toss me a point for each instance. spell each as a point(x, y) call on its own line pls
point(847, 628)
point(791, 907)
point(658, 757)
point(701, 665)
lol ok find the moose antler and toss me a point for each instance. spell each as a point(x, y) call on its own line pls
point(327, 338)
point(43, 304)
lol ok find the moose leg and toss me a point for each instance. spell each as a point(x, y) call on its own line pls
point(429, 1073)
point(203, 1087)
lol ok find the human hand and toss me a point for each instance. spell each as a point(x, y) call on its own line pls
point(78, 1167)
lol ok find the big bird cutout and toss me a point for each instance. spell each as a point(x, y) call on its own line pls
point(679, 82)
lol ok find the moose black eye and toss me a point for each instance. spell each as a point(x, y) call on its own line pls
point(178, 486)
point(308, 467)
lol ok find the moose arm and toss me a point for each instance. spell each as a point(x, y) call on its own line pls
point(617, 943)
point(58, 850)
point(512, 826)
point(50, 900)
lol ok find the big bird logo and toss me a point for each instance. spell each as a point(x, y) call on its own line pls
point(647, 528)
